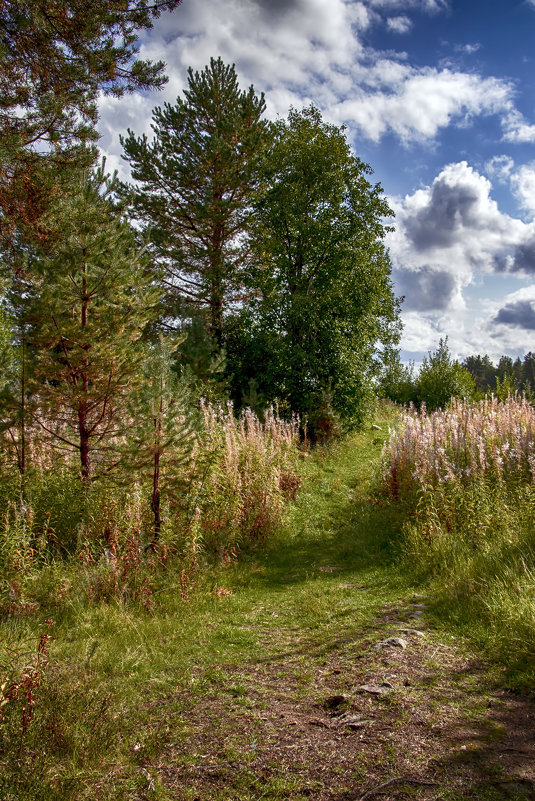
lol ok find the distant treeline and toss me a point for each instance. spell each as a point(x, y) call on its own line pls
point(441, 378)
point(517, 375)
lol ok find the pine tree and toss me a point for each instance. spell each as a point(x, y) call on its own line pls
point(197, 176)
point(55, 58)
point(160, 438)
point(93, 301)
point(17, 360)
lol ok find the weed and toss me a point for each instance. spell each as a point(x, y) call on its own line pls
point(23, 674)
point(464, 481)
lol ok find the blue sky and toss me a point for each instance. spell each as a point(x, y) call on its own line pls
point(438, 96)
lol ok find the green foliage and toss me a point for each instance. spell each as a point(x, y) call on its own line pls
point(92, 302)
point(397, 381)
point(201, 363)
point(321, 273)
point(8, 357)
point(195, 180)
point(160, 440)
point(441, 378)
point(507, 376)
point(55, 58)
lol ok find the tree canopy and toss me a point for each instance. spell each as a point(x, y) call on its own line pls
point(196, 178)
point(55, 57)
point(321, 271)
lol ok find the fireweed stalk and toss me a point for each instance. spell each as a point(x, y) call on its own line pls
point(459, 445)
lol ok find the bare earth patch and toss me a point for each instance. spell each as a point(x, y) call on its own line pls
point(358, 718)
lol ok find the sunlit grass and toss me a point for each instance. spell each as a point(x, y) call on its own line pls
point(114, 661)
point(463, 479)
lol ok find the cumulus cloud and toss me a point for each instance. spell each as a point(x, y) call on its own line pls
point(516, 128)
point(500, 167)
point(510, 322)
point(523, 184)
point(399, 24)
point(450, 235)
point(455, 225)
point(299, 51)
point(522, 259)
point(415, 103)
point(520, 315)
point(426, 289)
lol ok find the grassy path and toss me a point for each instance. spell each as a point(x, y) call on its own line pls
point(271, 681)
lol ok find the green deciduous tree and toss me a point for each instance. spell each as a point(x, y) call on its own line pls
point(322, 272)
point(93, 300)
point(441, 378)
point(397, 381)
point(196, 179)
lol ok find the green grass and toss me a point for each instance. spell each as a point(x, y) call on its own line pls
point(112, 663)
point(122, 678)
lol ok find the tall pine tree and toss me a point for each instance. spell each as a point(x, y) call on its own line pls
point(196, 178)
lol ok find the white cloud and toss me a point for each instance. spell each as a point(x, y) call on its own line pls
point(516, 129)
point(299, 51)
point(500, 167)
point(523, 184)
point(450, 235)
point(399, 24)
point(454, 225)
point(417, 103)
point(428, 6)
point(468, 49)
point(420, 334)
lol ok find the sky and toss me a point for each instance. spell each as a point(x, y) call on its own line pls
point(438, 96)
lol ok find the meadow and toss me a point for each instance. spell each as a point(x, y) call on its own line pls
point(126, 666)
point(463, 480)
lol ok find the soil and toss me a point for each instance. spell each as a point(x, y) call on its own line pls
point(298, 725)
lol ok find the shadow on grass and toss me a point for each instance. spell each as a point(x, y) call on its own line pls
point(358, 536)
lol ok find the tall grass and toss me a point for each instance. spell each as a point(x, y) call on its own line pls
point(232, 491)
point(252, 472)
point(464, 481)
point(69, 549)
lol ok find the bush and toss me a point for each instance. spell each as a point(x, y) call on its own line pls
point(441, 378)
point(464, 482)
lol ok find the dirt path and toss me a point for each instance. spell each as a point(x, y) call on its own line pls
point(352, 719)
point(320, 703)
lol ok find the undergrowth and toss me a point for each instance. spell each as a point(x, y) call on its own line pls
point(123, 666)
point(463, 481)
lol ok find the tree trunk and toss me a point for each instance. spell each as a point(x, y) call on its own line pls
point(155, 504)
point(83, 429)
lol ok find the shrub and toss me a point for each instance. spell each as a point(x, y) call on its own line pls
point(464, 481)
point(441, 378)
point(248, 470)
